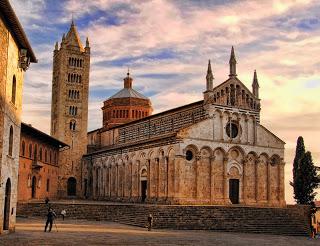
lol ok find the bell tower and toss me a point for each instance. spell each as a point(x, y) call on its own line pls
point(69, 108)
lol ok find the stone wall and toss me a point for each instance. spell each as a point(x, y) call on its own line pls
point(291, 220)
point(10, 118)
point(43, 168)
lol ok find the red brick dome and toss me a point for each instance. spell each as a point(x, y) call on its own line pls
point(125, 106)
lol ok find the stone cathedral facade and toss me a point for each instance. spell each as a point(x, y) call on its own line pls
point(69, 108)
point(214, 151)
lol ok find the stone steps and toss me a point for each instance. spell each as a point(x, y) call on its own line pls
point(283, 221)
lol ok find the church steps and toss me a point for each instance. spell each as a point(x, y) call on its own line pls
point(291, 220)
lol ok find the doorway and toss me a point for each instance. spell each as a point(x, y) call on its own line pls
point(33, 187)
point(234, 191)
point(143, 190)
point(72, 186)
point(6, 212)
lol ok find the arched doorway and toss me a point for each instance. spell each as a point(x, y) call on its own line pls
point(144, 184)
point(72, 186)
point(33, 187)
point(234, 191)
point(6, 212)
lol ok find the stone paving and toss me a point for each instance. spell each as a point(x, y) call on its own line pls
point(29, 231)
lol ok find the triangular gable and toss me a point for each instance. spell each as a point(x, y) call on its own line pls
point(233, 80)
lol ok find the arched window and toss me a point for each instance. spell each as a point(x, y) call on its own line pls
point(79, 78)
point(48, 184)
point(50, 157)
point(23, 148)
point(10, 141)
point(55, 158)
point(30, 151)
point(45, 156)
point(72, 125)
point(40, 154)
point(13, 92)
point(35, 152)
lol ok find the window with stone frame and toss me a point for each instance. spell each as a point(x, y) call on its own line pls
point(23, 148)
point(10, 141)
point(14, 89)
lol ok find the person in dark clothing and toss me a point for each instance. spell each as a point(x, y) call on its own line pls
point(150, 221)
point(50, 217)
point(47, 200)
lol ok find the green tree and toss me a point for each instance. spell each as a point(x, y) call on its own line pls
point(305, 179)
point(300, 152)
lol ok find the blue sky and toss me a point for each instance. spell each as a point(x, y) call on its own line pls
point(167, 45)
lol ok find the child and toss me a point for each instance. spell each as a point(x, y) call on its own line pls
point(63, 213)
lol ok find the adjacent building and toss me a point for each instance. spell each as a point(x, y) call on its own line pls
point(214, 151)
point(38, 164)
point(16, 55)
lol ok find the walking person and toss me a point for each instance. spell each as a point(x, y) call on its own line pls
point(150, 221)
point(63, 213)
point(50, 217)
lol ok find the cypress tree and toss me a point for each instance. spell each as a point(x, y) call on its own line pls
point(300, 152)
point(307, 180)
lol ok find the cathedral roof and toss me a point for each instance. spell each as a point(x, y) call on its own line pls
point(128, 92)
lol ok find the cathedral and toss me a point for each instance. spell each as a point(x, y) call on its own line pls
point(213, 151)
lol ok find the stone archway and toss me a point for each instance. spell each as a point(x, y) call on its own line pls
point(234, 191)
point(72, 186)
point(144, 184)
point(6, 211)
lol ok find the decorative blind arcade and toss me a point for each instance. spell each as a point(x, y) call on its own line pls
point(161, 125)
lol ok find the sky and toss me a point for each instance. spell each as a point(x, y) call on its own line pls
point(167, 44)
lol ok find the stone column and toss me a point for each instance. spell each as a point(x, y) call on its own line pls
point(167, 179)
point(244, 180)
point(109, 173)
point(268, 182)
point(123, 178)
point(281, 183)
point(94, 182)
point(117, 180)
point(225, 181)
point(254, 131)
point(211, 161)
point(157, 161)
point(148, 180)
point(247, 129)
point(198, 163)
point(221, 126)
point(131, 181)
point(257, 161)
point(178, 182)
point(104, 181)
